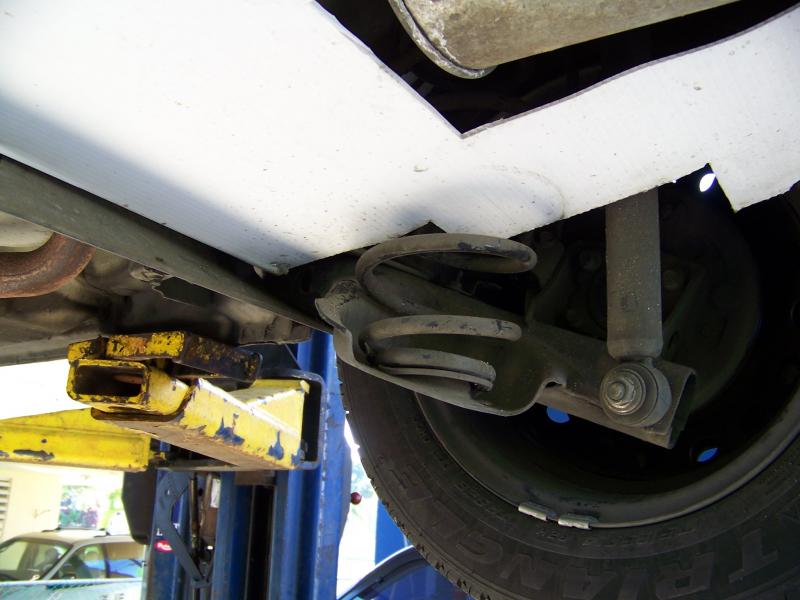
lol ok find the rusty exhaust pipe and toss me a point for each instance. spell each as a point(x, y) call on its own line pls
point(54, 264)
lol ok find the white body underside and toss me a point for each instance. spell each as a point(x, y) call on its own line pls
point(266, 130)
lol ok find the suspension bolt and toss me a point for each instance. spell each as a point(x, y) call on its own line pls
point(616, 391)
point(623, 392)
point(635, 394)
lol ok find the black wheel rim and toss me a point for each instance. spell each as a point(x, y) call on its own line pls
point(748, 420)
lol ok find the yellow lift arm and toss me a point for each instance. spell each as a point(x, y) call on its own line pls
point(73, 438)
point(147, 386)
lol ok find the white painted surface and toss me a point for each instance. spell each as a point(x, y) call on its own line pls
point(35, 389)
point(265, 129)
point(34, 502)
point(36, 491)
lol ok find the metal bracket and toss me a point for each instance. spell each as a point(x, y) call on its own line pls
point(171, 486)
point(547, 365)
point(201, 356)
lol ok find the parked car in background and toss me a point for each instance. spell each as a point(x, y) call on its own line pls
point(404, 576)
point(70, 555)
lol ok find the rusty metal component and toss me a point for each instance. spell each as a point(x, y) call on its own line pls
point(189, 355)
point(115, 294)
point(210, 357)
point(469, 37)
point(269, 425)
point(115, 374)
point(44, 270)
point(120, 386)
point(424, 314)
point(261, 431)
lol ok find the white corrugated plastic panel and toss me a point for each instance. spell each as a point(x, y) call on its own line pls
point(266, 130)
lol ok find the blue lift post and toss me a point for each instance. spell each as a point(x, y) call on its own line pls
point(231, 554)
point(310, 507)
point(303, 518)
point(165, 579)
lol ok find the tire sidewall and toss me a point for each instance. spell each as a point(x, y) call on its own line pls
point(746, 545)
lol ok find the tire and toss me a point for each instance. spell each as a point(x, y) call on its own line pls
point(746, 545)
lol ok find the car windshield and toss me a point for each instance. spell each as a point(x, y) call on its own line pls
point(22, 559)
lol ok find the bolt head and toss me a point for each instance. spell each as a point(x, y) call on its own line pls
point(622, 392)
point(616, 391)
point(635, 394)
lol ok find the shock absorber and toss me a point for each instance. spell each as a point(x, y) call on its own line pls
point(635, 392)
point(383, 340)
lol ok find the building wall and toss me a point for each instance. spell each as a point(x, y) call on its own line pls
point(34, 500)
